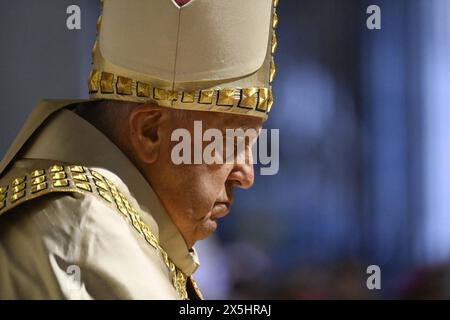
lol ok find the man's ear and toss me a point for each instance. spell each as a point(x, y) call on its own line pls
point(145, 132)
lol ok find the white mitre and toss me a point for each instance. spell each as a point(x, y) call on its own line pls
point(207, 55)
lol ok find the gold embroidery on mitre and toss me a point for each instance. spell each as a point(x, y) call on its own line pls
point(275, 21)
point(225, 97)
point(124, 86)
point(143, 90)
point(263, 99)
point(172, 95)
point(243, 98)
point(270, 100)
point(206, 96)
point(188, 97)
point(94, 49)
point(106, 82)
point(274, 43)
point(99, 23)
point(249, 98)
point(94, 79)
point(273, 70)
point(159, 94)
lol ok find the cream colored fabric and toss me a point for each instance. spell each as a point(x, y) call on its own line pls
point(205, 45)
point(39, 114)
point(41, 238)
point(205, 40)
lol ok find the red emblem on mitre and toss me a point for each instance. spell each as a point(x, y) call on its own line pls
point(182, 2)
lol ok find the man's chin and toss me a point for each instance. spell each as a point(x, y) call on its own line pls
point(207, 229)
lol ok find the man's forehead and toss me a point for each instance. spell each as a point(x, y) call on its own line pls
point(223, 121)
point(244, 122)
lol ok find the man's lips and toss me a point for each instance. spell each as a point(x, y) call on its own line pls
point(220, 209)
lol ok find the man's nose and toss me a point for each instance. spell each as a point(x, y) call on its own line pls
point(242, 175)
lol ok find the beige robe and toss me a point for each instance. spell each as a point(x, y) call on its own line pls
point(79, 221)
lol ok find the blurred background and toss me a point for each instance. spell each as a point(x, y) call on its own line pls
point(364, 119)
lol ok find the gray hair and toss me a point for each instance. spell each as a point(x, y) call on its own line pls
point(109, 115)
point(106, 115)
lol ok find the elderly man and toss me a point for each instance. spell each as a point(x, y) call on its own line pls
point(92, 205)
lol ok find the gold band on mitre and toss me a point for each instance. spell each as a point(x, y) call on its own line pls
point(249, 101)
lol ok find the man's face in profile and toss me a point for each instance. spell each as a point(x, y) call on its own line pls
point(216, 152)
point(197, 195)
